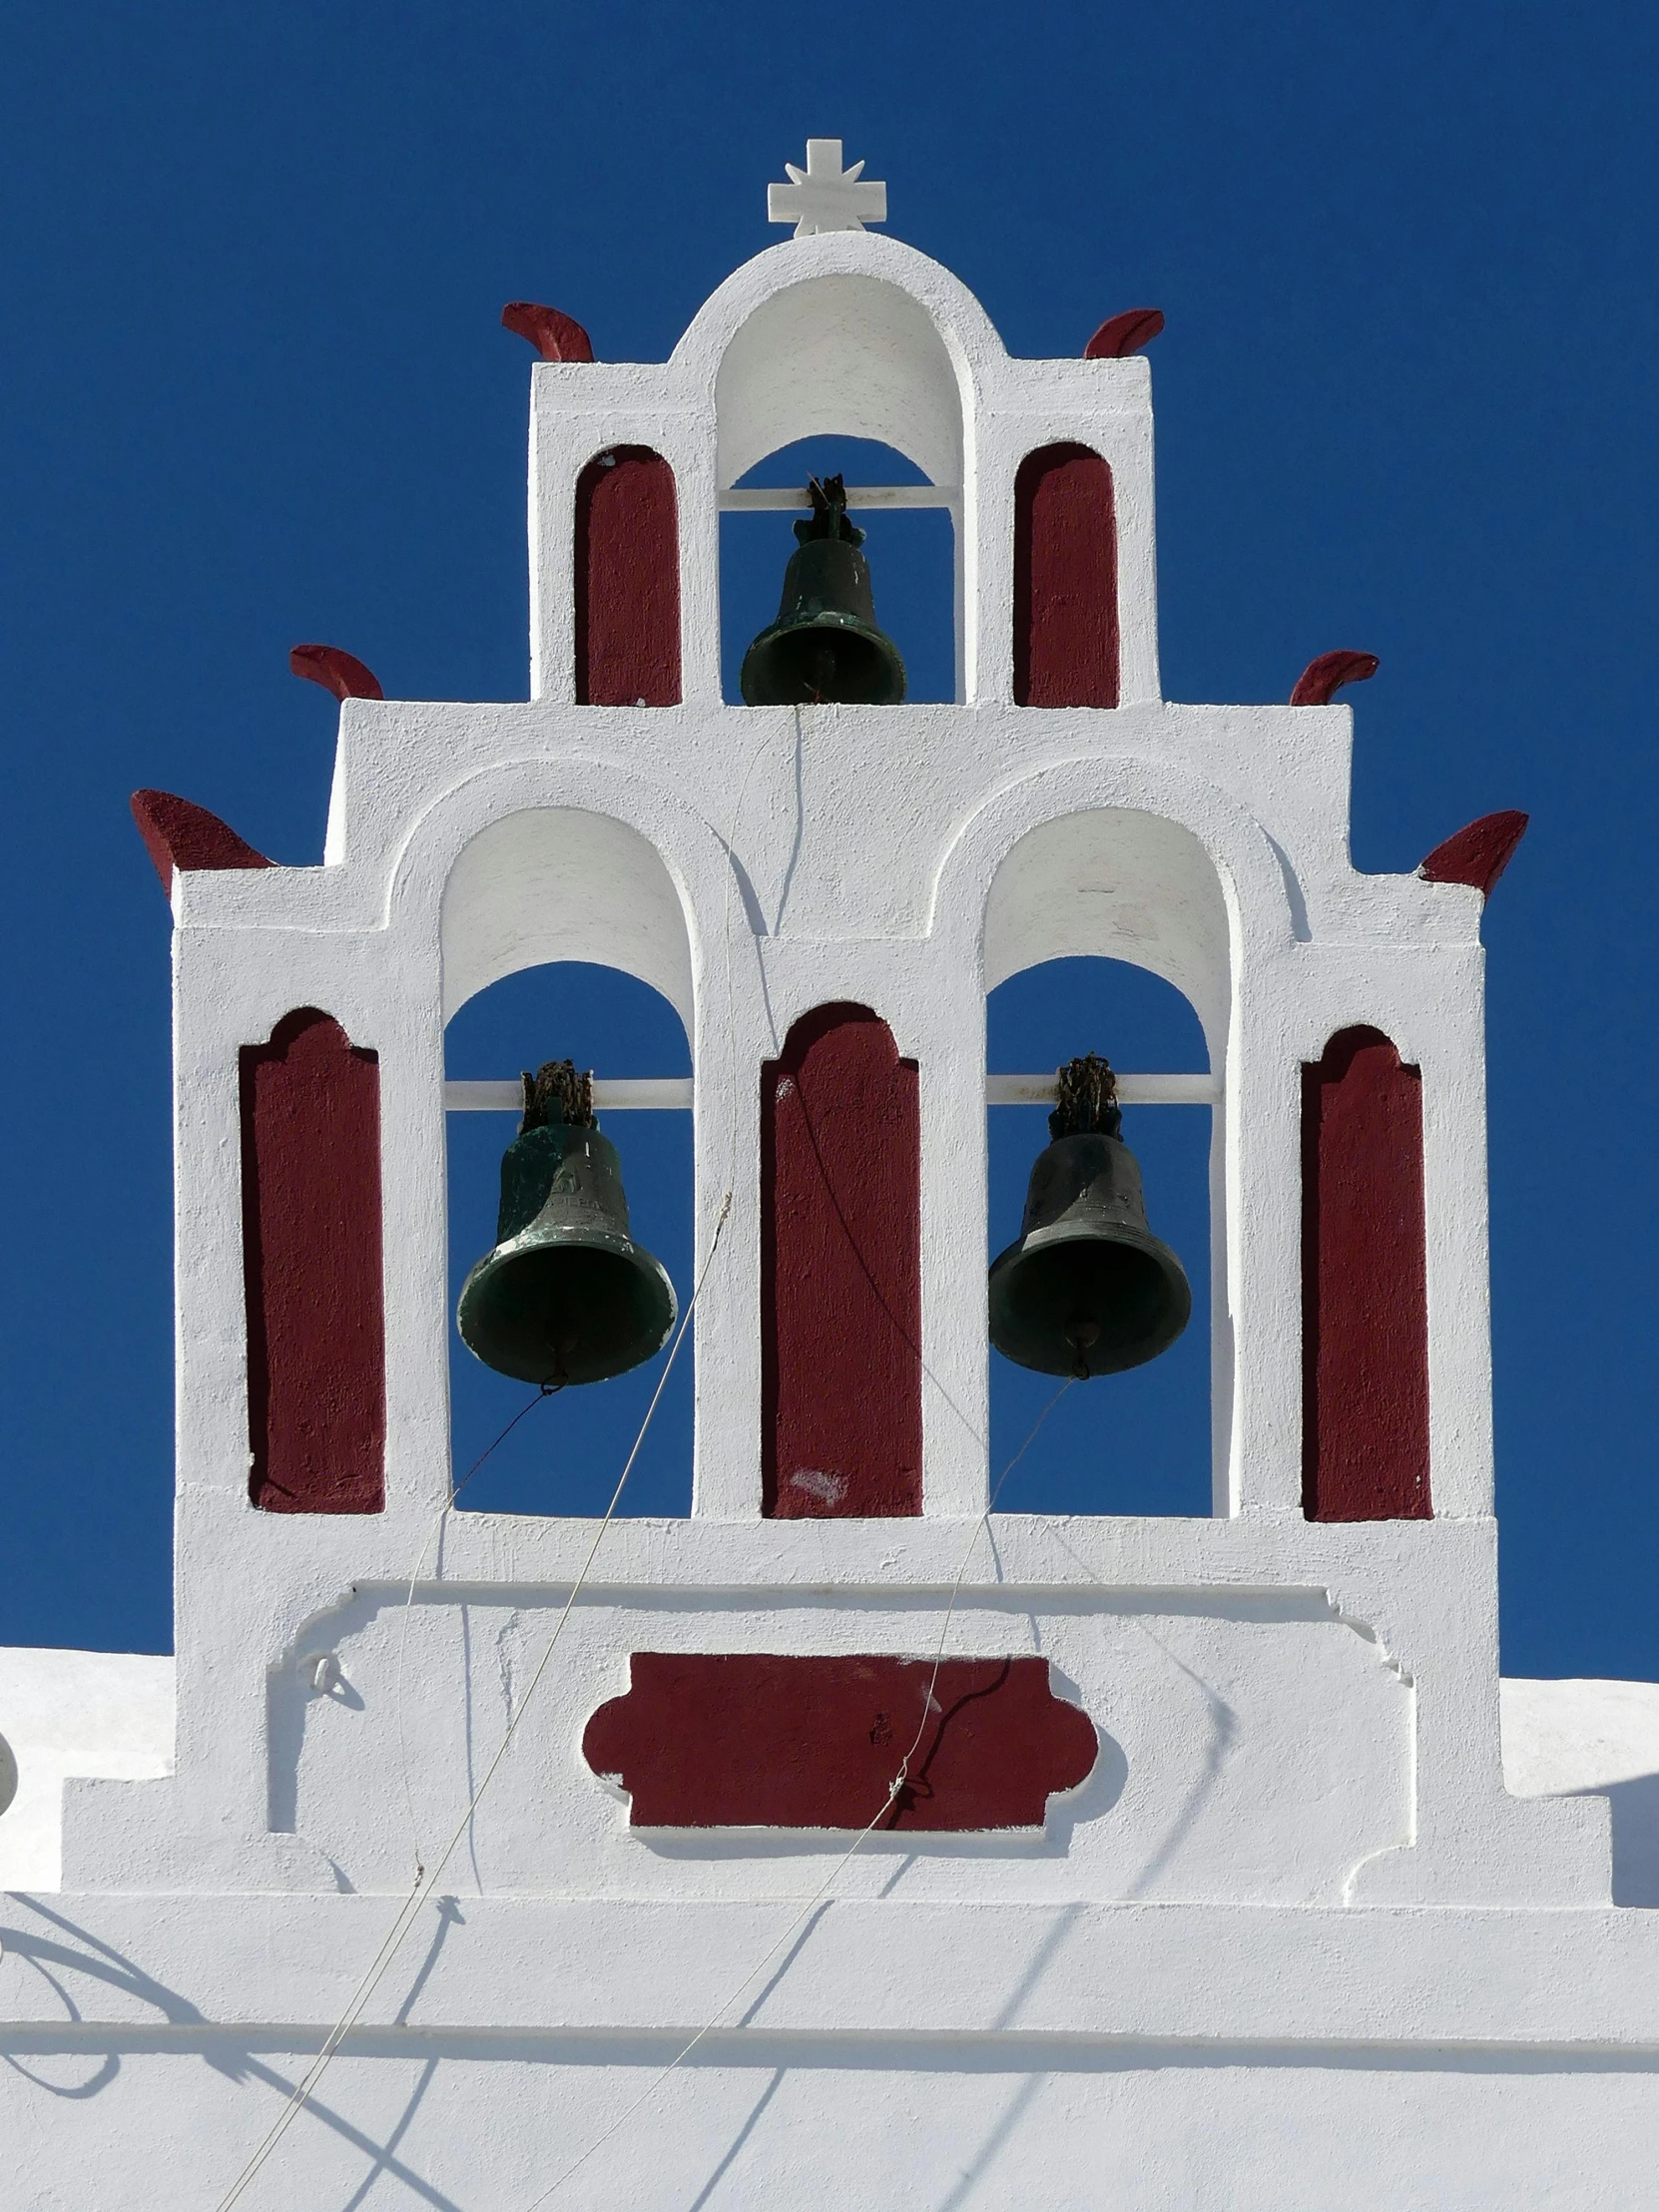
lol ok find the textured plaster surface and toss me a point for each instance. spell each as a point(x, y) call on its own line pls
point(74, 1713)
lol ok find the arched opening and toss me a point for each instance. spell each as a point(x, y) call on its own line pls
point(566, 1455)
point(529, 904)
point(912, 551)
point(1138, 1441)
point(1107, 930)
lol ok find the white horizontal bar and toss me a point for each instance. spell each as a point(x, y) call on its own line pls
point(617, 1096)
point(1132, 1090)
point(632, 1094)
point(775, 498)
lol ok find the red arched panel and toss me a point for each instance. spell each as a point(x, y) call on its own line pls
point(1066, 580)
point(311, 1204)
point(1364, 1290)
point(627, 581)
point(841, 1270)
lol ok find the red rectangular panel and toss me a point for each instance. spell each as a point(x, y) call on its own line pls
point(310, 1194)
point(1066, 580)
point(1365, 1288)
point(627, 581)
point(840, 1259)
point(749, 1739)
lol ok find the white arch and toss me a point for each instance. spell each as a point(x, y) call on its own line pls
point(847, 333)
point(1137, 860)
point(561, 883)
point(537, 860)
point(1122, 884)
point(1125, 856)
point(848, 356)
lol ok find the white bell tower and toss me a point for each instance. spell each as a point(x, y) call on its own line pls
point(843, 1843)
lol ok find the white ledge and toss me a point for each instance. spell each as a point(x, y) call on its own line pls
point(1583, 1985)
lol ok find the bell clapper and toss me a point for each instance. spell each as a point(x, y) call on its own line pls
point(1082, 1335)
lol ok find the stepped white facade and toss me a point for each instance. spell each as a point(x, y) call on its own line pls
point(1290, 1941)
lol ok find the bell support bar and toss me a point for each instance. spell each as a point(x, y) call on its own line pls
point(628, 1095)
point(1131, 1090)
point(670, 1092)
point(784, 498)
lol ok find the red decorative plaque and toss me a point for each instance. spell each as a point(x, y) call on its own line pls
point(742, 1740)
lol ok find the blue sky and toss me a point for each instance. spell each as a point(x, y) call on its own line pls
point(255, 392)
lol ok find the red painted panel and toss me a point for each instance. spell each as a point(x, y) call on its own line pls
point(310, 1203)
point(1477, 854)
point(1066, 580)
point(1365, 1290)
point(178, 834)
point(841, 1272)
point(627, 581)
point(744, 1740)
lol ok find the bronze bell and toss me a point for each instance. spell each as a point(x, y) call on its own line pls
point(566, 1296)
point(825, 644)
point(1088, 1289)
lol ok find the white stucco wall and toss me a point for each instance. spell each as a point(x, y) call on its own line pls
point(65, 1712)
point(1587, 1738)
point(100, 1713)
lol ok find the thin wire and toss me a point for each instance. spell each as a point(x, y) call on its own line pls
point(423, 1888)
point(929, 1706)
point(423, 1883)
point(731, 846)
point(547, 1390)
point(756, 938)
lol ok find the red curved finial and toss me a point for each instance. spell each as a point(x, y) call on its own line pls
point(1321, 677)
point(555, 337)
point(180, 836)
point(1122, 335)
point(341, 673)
point(1477, 854)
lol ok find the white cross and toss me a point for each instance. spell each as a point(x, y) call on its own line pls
point(824, 195)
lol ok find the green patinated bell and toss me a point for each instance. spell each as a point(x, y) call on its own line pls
point(566, 1296)
point(1088, 1289)
point(825, 644)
